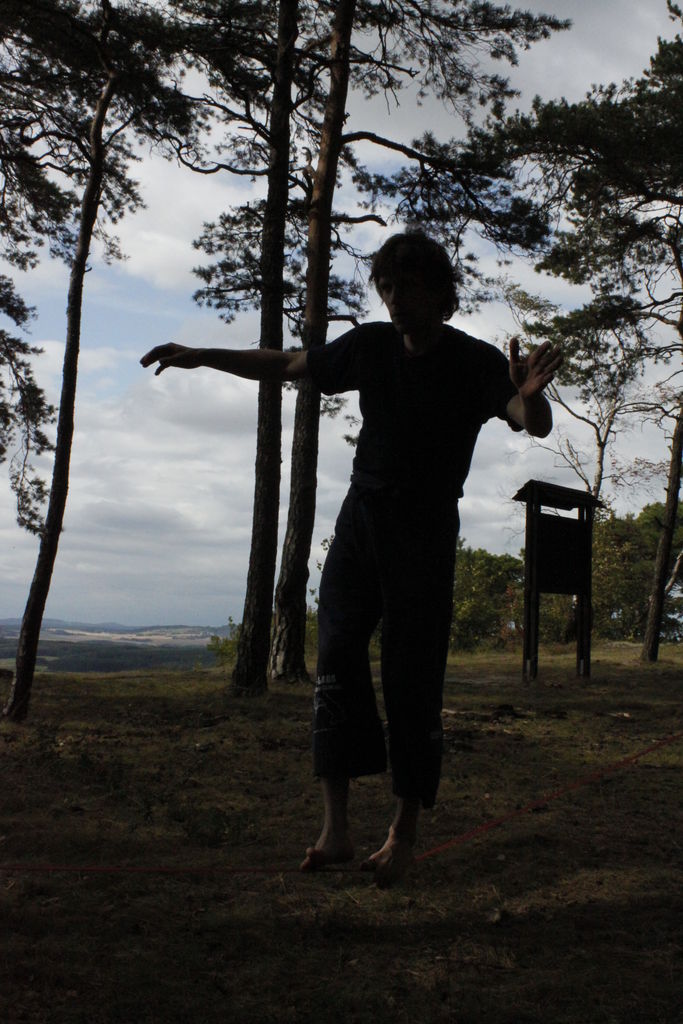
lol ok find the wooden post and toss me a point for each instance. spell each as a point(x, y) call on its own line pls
point(584, 607)
point(531, 593)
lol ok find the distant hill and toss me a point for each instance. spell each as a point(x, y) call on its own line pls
point(112, 627)
point(116, 631)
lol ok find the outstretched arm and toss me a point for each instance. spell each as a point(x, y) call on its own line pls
point(254, 364)
point(531, 375)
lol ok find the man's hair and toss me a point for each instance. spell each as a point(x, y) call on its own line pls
point(413, 252)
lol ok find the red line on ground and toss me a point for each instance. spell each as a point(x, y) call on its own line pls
point(134, 869)
point(585, 780)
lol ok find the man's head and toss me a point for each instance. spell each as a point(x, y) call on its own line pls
point(413, 262)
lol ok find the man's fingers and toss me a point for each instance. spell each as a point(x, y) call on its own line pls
point(540, 353)
point(545, 357)
point(154, 353)
point(160, 352)
point(551, 364)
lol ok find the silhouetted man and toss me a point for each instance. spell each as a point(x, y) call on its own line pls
point(425, 390)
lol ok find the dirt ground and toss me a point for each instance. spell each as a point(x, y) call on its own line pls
point(181, 814)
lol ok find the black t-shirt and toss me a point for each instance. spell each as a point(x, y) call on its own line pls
point(421, 414)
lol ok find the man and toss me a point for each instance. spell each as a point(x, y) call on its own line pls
point(425, 390)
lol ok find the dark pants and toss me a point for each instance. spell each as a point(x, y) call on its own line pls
point(392, 558)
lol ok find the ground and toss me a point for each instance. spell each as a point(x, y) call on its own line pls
point(162, 794)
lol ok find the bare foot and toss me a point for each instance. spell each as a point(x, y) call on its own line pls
point(392, 862)
point(327, 851)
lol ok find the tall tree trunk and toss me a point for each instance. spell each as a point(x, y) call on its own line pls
point(655, 613)
point(251, 668)
point(287, 654)
point(675, 573)
point(29, 635)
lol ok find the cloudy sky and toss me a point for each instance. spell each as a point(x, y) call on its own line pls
point(159, 518)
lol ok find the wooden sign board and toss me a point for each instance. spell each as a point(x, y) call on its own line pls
point(563, 550)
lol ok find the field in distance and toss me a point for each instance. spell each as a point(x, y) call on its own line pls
point(111, 647)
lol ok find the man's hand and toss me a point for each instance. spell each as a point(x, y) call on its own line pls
point(531, 374)
point(182, 356)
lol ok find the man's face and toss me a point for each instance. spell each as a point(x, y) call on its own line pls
point(413, 306)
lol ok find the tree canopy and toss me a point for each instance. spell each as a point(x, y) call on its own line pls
point(611, 166)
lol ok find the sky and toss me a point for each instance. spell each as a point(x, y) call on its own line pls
point(158, 523)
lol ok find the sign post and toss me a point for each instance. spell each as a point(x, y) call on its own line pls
point(557, 561)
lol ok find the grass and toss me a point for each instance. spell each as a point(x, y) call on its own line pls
point(571, 914)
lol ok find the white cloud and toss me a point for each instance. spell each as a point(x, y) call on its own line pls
point(608, 42)
point(177, 204)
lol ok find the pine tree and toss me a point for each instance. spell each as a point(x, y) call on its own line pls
point(24, 411)
point(34, 211)
point(84, 79)
point(614, 165)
